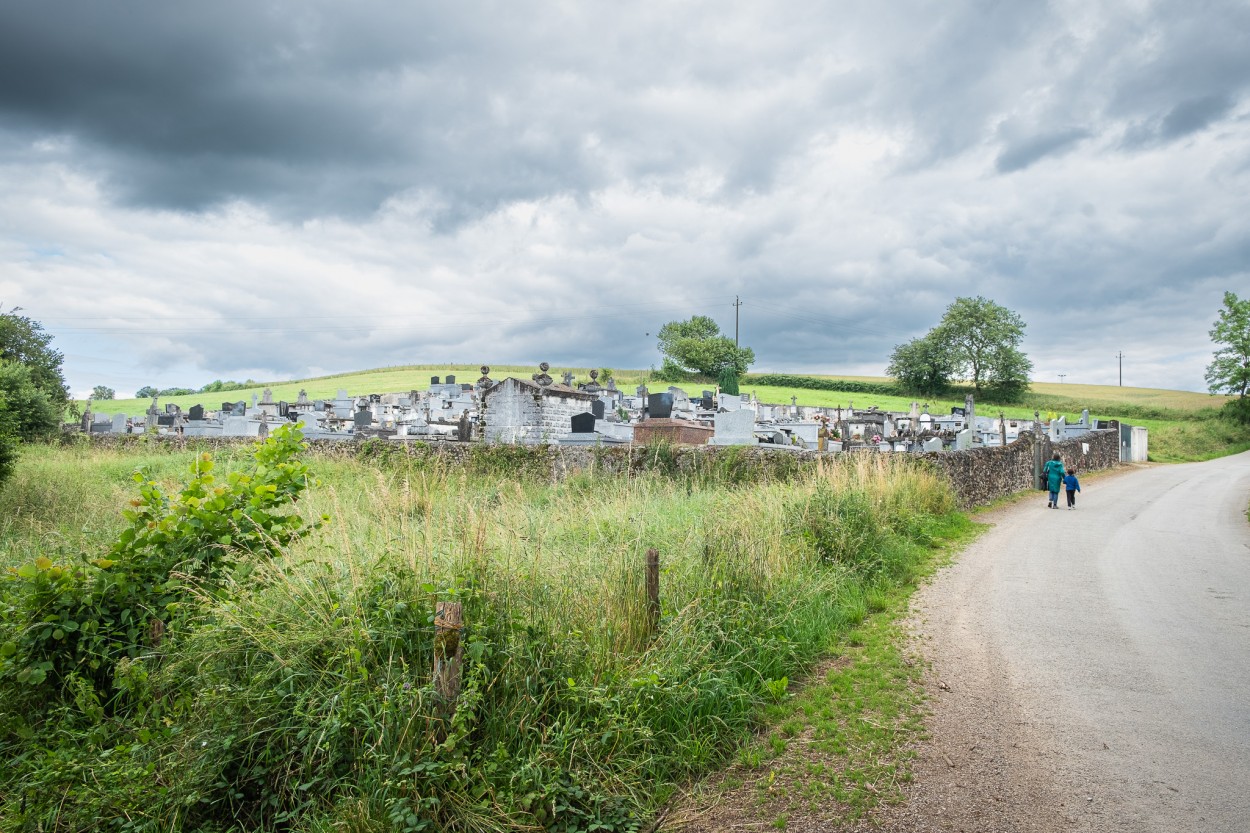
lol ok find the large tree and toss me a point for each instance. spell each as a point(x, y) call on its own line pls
point(24, 342)
point(922, 365)
point(1229, 370)
point(697, 346)
point(977, 340)
point(984, 340)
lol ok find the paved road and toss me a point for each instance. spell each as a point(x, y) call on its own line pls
point(1118, 634)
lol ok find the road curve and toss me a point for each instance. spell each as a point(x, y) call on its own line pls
point(1094, 664)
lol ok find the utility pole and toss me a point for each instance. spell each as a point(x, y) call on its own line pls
point(1120, 356)
point(737, 304)
point(1061, 375)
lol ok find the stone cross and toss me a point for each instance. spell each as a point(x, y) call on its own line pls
point(568, 378)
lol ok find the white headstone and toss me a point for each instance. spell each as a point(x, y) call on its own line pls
point(933, 444)
point(963, 439)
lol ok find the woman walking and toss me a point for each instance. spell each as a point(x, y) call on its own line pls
point(1053, 472)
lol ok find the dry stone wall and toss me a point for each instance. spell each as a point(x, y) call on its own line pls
point(978, 476)
point(983, 475)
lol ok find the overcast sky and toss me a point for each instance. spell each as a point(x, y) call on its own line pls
point(271, 190)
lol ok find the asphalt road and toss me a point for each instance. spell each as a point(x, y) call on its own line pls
point(1119, 635)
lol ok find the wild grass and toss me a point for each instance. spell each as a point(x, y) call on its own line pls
point(302, 697)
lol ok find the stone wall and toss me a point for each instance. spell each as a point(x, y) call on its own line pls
point(983, 475)
point(520, 412)
point(979, 476)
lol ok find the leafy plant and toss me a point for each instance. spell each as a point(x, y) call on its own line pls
point(82, 618)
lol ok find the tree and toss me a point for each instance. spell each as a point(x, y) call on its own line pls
point(24, 342)
point(977, 340)
point(146, 392)
point(984, 338)
point(696, 346)
point(26, 413)
point(1229, 370)
point(102, 392)
point(922, 365)
point(728, 381)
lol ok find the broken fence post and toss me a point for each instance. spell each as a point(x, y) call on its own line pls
point(653, 591)
point(448, 623)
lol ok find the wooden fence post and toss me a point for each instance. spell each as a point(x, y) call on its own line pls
point(448, 650)
point(653, 591)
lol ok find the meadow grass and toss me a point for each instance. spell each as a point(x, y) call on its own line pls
point(301, 696)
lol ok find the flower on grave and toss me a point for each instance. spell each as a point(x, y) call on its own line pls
point(876, 439)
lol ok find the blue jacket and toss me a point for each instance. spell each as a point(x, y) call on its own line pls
point(1071, 484)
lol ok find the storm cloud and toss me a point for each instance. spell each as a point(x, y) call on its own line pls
point(279, 189)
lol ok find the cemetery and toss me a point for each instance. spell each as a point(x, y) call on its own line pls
point(569, 414)
point(542, 411)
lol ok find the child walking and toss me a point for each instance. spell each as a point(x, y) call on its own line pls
point(1072, 486)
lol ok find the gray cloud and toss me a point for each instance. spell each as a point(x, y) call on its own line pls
point(256, 188)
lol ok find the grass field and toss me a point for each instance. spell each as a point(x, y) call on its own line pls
point(296, 693)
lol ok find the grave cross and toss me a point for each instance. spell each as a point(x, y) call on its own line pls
point(568, 378)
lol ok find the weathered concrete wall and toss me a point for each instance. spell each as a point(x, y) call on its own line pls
point(978, 476)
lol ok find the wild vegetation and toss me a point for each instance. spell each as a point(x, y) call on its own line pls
point(288, 684)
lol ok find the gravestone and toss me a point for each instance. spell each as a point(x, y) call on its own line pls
point(172, 409)
point(434, 380)
point(165, 420)
point(933, 444)
point(303, 397)
point(197, 412)
point(363, 419)
point(255, 399)
point(963, 439)
point(268, 397)
point(735, 427)
point(234, 426)
point(375, 398)
point(597, 409)
point(660, 406)
point(119, 423)
point(284, 409)
point(451, 380)
point(567, 376)
point(583, 423)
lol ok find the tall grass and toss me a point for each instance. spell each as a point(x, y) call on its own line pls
point(303, 699)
